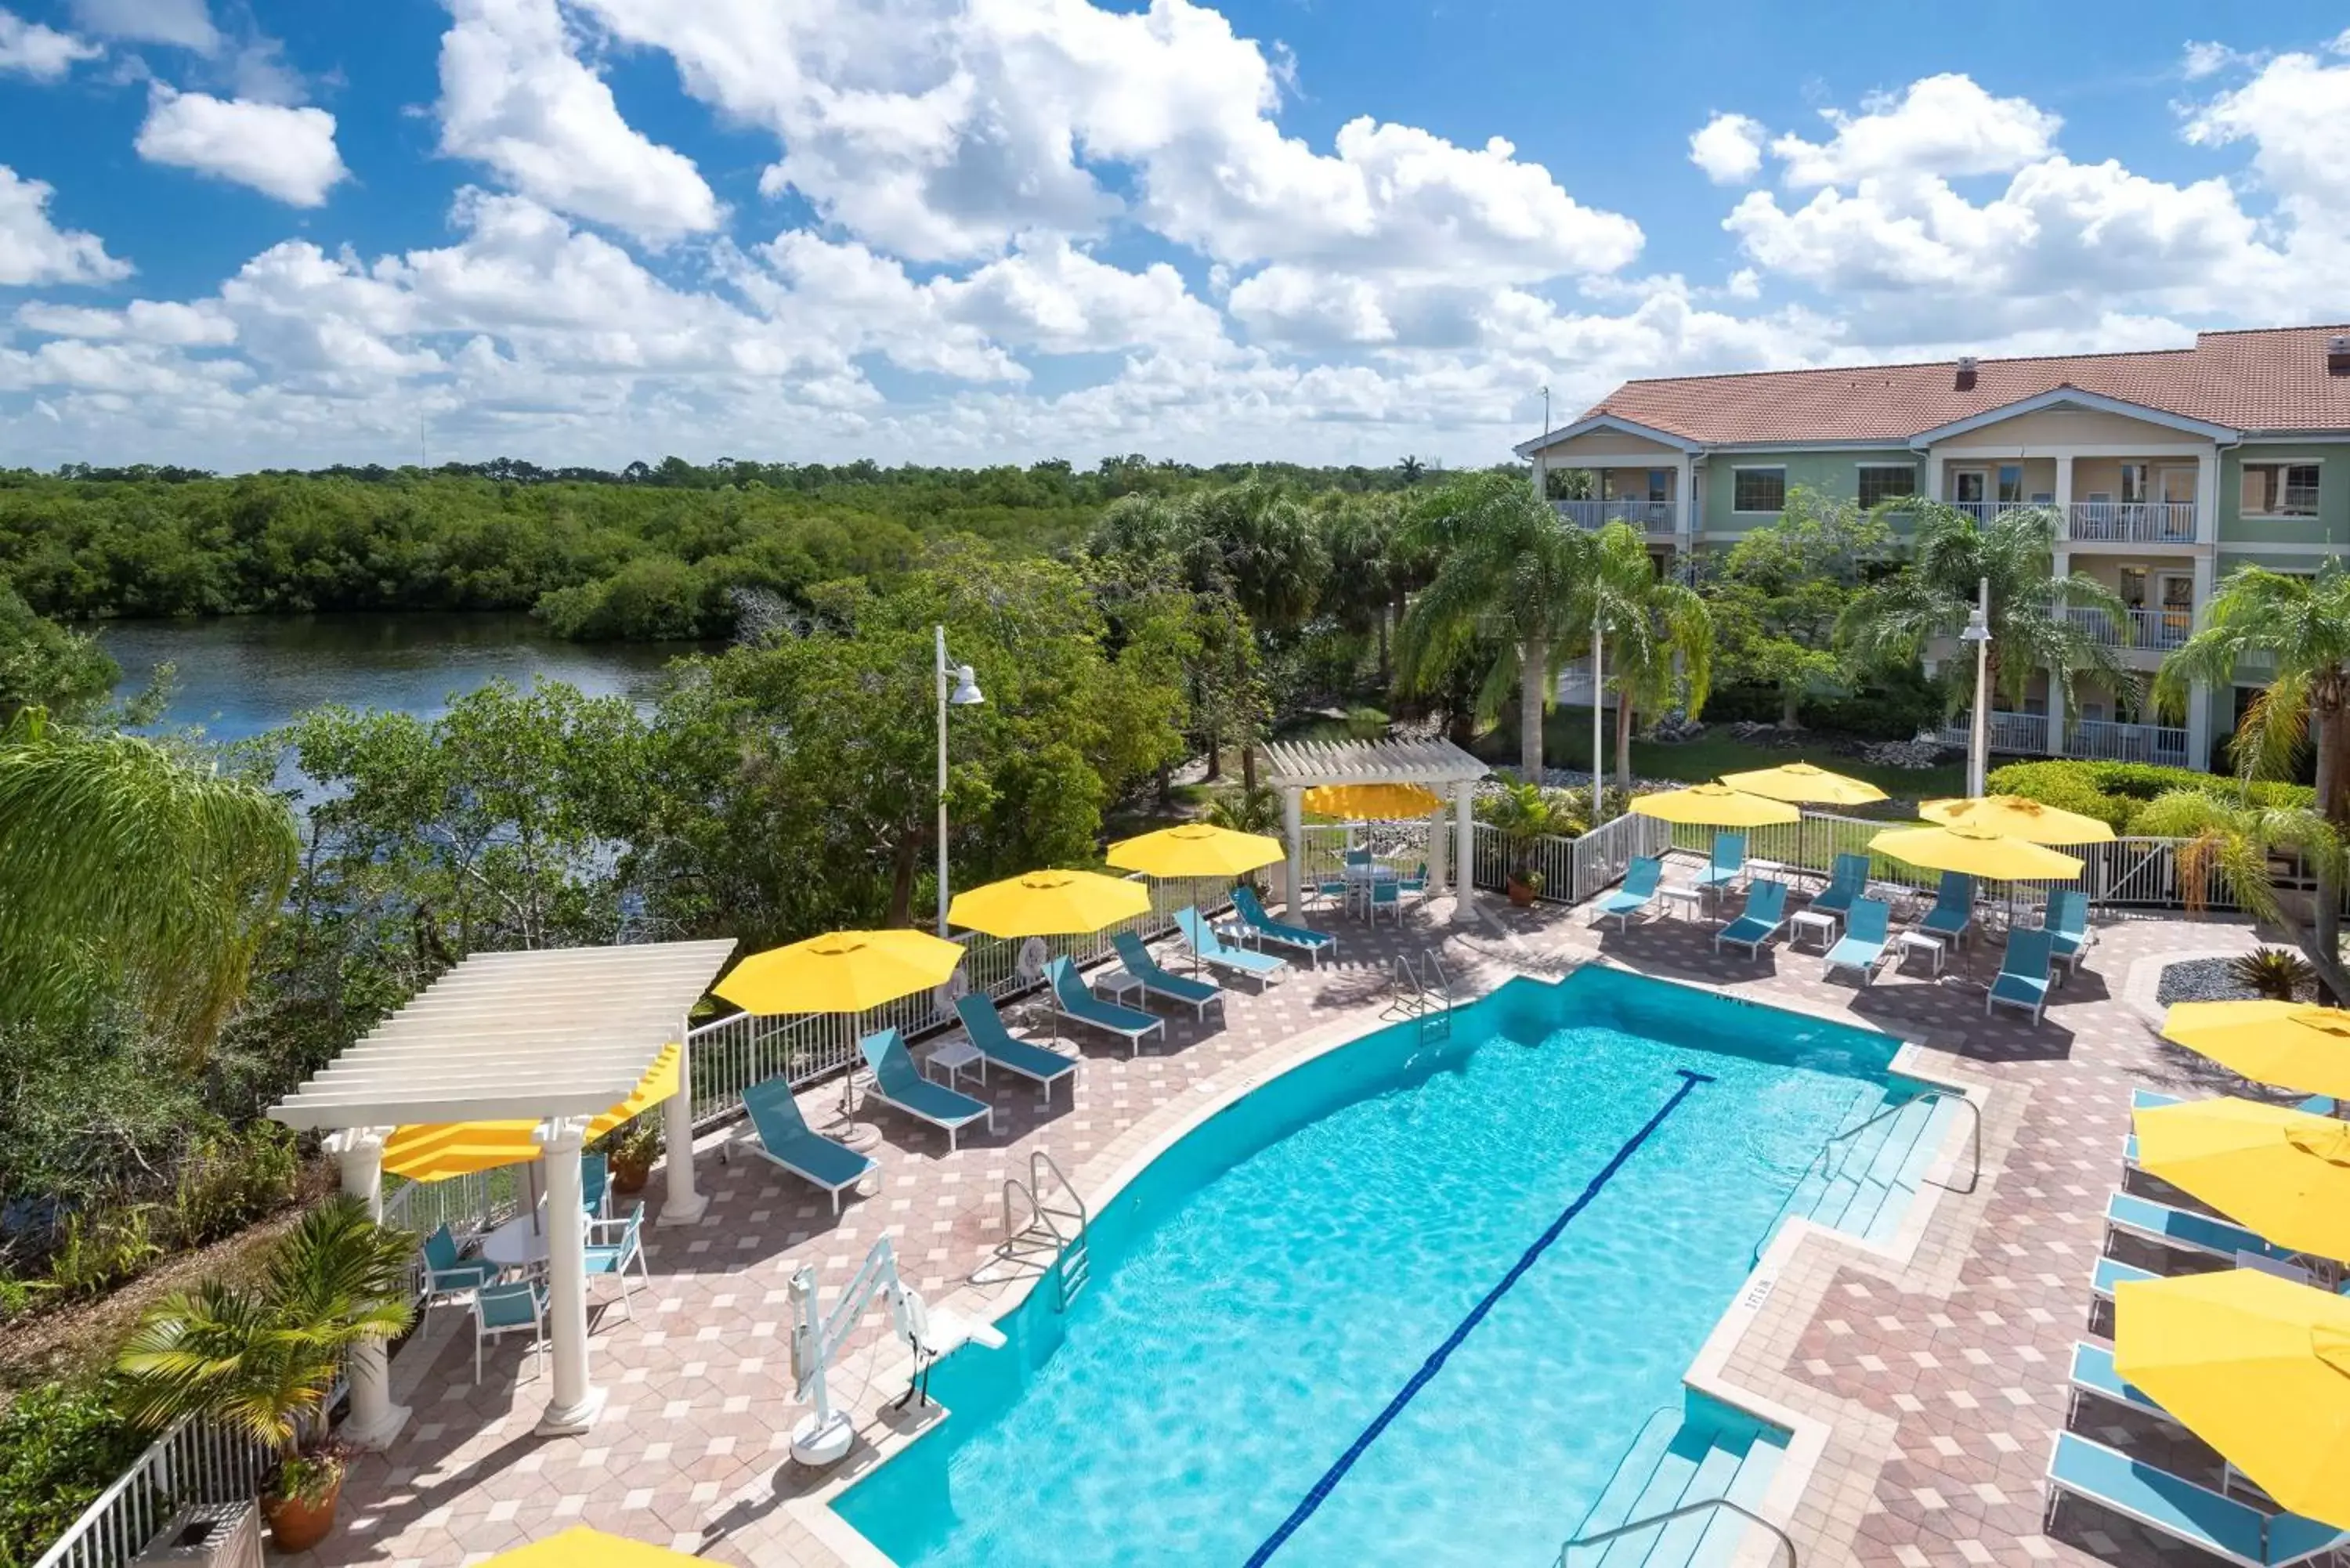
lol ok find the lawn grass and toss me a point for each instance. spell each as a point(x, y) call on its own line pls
point(1567, 743)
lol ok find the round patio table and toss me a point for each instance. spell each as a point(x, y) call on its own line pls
point(521, 1241)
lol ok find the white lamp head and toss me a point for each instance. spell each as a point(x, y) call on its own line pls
point(966, 692)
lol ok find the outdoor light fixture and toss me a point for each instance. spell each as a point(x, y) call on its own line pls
point(1979, 733)
point(963, 693)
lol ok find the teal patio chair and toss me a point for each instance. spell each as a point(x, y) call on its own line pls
point(2067, 923)
point(783, 1138)
point(1848, 880)
point(613, 1245)
point(518, 1306)
point(2023, 979)
point(1729, 863)
point(1867, 927)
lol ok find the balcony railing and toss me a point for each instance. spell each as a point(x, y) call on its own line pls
point(2023, 732)
point(2098, 739)
point(1651, 516)
point(1984, 511)
point(2155, 629)
point(2131, 522)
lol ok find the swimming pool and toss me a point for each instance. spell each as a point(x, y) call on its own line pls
point(1323, 1329)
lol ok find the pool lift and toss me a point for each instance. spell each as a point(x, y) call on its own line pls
point(824, 1435)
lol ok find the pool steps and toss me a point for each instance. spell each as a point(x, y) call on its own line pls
point(1865, 1188)
point(1681, 1457)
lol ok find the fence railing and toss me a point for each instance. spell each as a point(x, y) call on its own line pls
point(1652, 516)
point(193, 1462)
point(2115, 743)
point(1572, 869)
point(2155, 629)
point(2131, 522)
point(2025, 733)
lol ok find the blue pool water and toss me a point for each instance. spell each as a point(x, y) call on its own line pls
point(1267, 1287)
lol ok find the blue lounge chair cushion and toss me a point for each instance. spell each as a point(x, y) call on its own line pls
point(1729, 860)
point(2023, 976)
point(1252, 914)
point(1211, 948)
point(992, 1040)
point(1076, 999)
point(1954, 905)
point(1846, 881)
point(787, 1138)
point(1641, 880)
point(2111, 1271)
point(2093, 1372)
point(903, 1085)
point(2067, 922)
point(2184, 1511)
point(1766, 904)
point(2185, 1228)
point(1863, 942)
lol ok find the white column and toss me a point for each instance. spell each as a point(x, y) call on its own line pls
point(576, 1402)
point(2206, 498)
point(1436, 855)
point(1464, 850)
point(2064, 504)
point(374, 1420)
point(2060, 567)
point(685, 1205)
point(1293, 827)
point(1684, 504)
point(2199, 696)
point(1934, 477)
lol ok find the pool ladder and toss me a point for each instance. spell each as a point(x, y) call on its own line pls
point(1051, 1241)
point(1423, 990)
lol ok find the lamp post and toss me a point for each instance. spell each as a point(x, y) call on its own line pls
point(1598, 785)
point(1979, 733)
point(963, 693)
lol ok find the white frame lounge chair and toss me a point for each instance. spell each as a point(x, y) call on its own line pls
point(1156, 979)
point(2228, 1527)
point(2183, 1229)
point(2016, 985)
point(1210, 950)
point(780, 1136)
point(1728, 865)
point(1642, 877)
point(1867, 928)
point(897, 1081)
point(996, 1046)
point(1075, 1000)
point(1255, 922)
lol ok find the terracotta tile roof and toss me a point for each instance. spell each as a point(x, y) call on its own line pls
point(2271, 379)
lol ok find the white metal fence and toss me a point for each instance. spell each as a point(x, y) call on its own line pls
point(1573, 870)
point(193, 1462)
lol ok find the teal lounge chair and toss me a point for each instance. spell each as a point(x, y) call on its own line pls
point(2092, 1375)
point(1213, 953)
point(1848, 880)
point(2183, 1229)
point(2111, 1271)
point(783, 1138)
point(2023, 979)
point(1265, 929)
point(996, 1047)
point(2230, 1530)
point(1954, 908)
point(1641, 881)
point(1862, 946)
point(1765, 912)
point(899, 1083)
point(2067, 924)
point(1073, 1000)
point(1728, 866)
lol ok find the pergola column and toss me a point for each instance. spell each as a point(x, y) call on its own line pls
point(374, 1419)
point(576, 1402)
point(1438, 863)
point(685, 1205)
point(1465, 848)
point(1293, 827)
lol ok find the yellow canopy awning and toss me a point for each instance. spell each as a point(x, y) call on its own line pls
point(2257, 1367)
point(436, 1151)
point(581, 1547)
point(1802, 784)
point(1976, 852)
point(1371, 802)
point(1049, 904)
point(2288, 1043)
point(2283, 1173)
point(1715, 805)
point(2013, 816)
point(840, 971)
point(1195, 849)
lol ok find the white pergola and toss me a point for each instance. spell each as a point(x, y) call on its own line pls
point(555, 1036)
point(1296, 766)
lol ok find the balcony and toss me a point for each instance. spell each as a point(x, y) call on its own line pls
point(2024, 735)
point(1649, 517)
point(2130, 521)
point(2097, 740)
point(2156, 630)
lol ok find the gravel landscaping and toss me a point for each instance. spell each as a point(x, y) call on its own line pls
point(2200, 980)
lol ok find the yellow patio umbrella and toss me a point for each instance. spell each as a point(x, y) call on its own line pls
point(2013, 816)
point(2257, 1367)
point(1049, 904)
point(2283, 1173)
point(1802, 784)
point(581, 1547)
point(436, 1151)
point(1976, 852)
point(840, 971)
point(1196, 849)
point(1715, 805)
point(1371, 802)
point(2288, 1043)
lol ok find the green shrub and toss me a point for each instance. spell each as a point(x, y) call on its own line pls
point(1894, 707)
point(61, 1444)
point(2117, 793)
point(1742, 705)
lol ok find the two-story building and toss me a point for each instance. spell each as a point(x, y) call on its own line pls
point(2168, 470)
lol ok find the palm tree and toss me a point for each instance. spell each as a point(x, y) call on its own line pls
point(2032, 622)
point(129, 867)
point(1659, 637)
point(1254, 810)
point(2299, 627)
point(1411, 468)
point(2236, 843)
point(1508, 566)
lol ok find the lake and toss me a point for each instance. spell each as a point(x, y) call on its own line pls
point(240, 675)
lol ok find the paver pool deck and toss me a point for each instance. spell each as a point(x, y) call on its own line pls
point(1940, 1376)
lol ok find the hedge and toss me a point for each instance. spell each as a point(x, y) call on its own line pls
point(2115, 793)
point(61, 1444)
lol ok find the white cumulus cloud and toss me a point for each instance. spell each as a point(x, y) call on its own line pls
point(1940, 125)
point(34, 250)
point(1729, 147)
point(42, 53)
point(184, 23)
point(281, 151)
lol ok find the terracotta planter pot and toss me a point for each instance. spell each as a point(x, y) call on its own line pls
point(297, 1524)
point(1521, 894)
point(630, 1177)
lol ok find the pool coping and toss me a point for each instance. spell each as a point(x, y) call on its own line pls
point(1755, 1321)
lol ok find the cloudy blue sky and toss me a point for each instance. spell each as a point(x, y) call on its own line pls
point(236, 234)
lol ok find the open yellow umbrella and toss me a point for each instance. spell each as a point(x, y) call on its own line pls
point(2257, 1367)
point(840, 971)
point(581, 1547)
point(436, 1151)
point(1371, 802)
point(1049, 904)
point(2288, 1043)
point(2013, 816)
point(1196, 849)
point(2283, 1173)
point(1976, 852)
point(1802, 784)
point(1715, 805)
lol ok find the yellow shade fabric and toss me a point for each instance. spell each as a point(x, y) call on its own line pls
point(581, 1547)
point(2288, 1043)
point(1195, 849)
point(840, 971)
point(1803, 783)
point(2012, 817)
point(1716, 805)
point(1371, 803)
point(2283, 1173)
point(436, 1151)
point(2257, 1367)
point(1049, 904)
point(1976, 854)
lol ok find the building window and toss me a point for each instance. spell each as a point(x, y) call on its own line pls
point(1658, 479)
point(2132, 483)
point(2280, 489)
point(2011, 483)
point(1758, 490)
point(1882, 482)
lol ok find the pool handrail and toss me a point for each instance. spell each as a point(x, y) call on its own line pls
point(1974, 1151)
point(1684, 1511)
